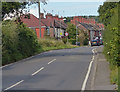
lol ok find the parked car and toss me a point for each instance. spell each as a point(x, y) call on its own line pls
point(95, 43)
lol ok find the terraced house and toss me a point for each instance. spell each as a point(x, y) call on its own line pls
point(88, 25)
point(52, 26)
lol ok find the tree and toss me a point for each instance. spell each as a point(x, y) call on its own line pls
point(8, 7)
point(83, 37)
point(108, 14)
point(18, 42)
point(72, 31)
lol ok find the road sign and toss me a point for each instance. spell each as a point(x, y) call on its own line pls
point(61, 33)
point(66, 34)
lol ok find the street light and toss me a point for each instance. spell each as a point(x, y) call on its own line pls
point(77, 33)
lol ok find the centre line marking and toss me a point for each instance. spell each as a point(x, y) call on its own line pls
point(87, 75)
point(51, 61)
point(14, 85)
point(37, 71)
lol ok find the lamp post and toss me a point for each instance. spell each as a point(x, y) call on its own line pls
point(77, 33)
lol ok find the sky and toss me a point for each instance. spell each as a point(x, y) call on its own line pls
point(71, 8)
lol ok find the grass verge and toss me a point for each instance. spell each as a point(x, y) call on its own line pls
point(51, 44)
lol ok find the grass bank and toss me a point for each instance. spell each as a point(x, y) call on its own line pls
point(51, 44)
point(115, 76)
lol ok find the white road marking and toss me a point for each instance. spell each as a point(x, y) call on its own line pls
point(93, 58)
point(14, 85)
point(37, 71)
point(87, 75)
point(51, 61)
point(93, 51)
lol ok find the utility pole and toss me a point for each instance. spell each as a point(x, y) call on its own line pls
point(76, 32)
point(39, 18)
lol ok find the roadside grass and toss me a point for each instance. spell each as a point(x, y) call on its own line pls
point(47, 45)
point(114, 71)
point(51, 44)
point(114, 74)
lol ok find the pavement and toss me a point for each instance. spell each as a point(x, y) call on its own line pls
point(102, 76)
point(83, 68)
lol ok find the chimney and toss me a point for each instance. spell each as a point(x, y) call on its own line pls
point(80, 19)
point(49, 16)
point(56, 17)
point(94, 21)
point(61, 19)
point(42, 15)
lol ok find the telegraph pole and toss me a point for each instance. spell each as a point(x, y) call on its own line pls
point(39, 18)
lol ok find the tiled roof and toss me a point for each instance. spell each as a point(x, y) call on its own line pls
point(91, 26)
point(32, 22)
point(59, 24)
point(54, 23)
point(50, 22)
point(47, 22)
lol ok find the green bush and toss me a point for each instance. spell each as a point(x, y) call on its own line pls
point(86, 41)
point(72, 41)
point(18, 42)
point(64, 40)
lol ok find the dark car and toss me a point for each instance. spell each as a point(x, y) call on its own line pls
point(95, 43)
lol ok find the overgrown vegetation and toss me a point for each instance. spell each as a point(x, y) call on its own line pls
point(109, 16)
point(82, 36)
point(19, 42)
point(50, 44)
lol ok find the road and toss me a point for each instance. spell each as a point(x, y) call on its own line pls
point(66, 69)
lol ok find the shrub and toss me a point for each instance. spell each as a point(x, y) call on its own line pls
point(64, 40)
point(18, 42)
point(72, 41)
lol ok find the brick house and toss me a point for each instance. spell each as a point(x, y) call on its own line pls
point(53, 26)
point(33, 23)
point(89, 25)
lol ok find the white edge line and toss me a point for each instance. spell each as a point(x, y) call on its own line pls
point(51, 61)
point(87, 75)
point(14, 85)
point(37, 71)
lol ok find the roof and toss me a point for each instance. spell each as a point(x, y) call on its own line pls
point(54, 23)
point(60, 24)
point(31, 22)
point(91, 26)
point(50, 22)
point(47, 22)
point(87, 26)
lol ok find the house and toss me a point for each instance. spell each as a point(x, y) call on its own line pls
point(88, 25)
point(33, 23)
point(52, 26)
point(55, 26)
